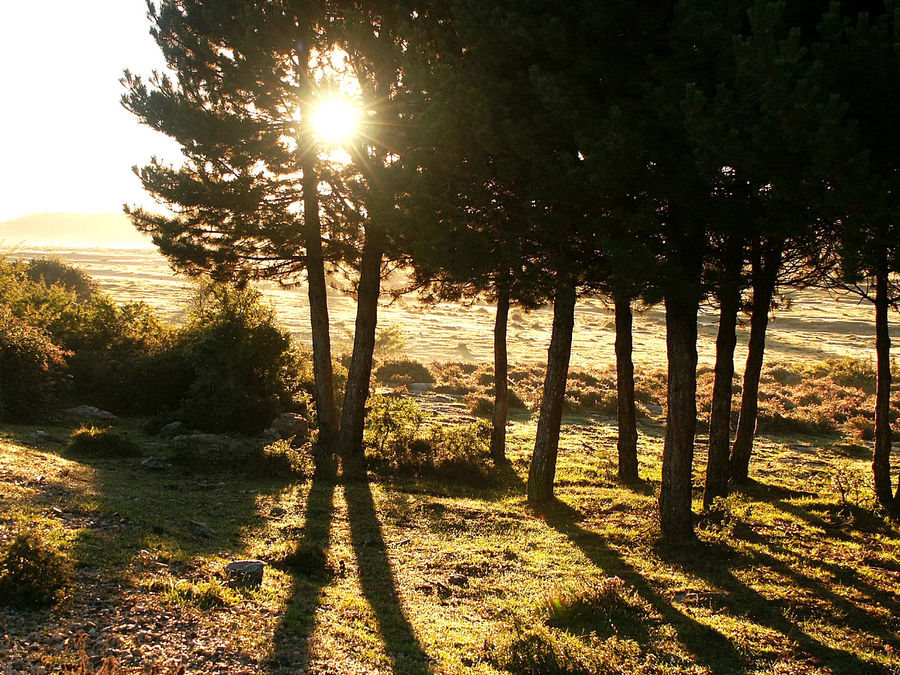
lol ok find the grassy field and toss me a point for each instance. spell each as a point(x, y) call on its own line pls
point(798, 573)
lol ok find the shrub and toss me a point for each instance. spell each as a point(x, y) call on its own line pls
point(417, 372)
point(302, 557)
point(281, 457)
point(31, 367)
point(55, 272)
point(32, 573)
point(245, 368)
point(94, 442)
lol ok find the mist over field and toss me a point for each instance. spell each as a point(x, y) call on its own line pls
point(71, 230)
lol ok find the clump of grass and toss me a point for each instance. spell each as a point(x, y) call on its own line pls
point(32, 572)
point(102, 442)
point(302, 557)
point(281, 457)
point(606, 607)
point(208, 594)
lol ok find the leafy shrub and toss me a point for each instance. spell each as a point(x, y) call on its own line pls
point(32, 573)
point(416, 371)
point(280, 457)
point(245, 367)
point(55, 272)
point(31, 367)
point(400, 441)
point(94, 442)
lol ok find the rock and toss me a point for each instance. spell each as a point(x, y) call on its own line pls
point(156, 447)
point(220, 440)
point(288, 425)
point(419, 387)
point(155, 464)
point(277, 512)
point(202, 529)
point(89, 411)
point(173, 429)
point(458, 580)
point(248, 571)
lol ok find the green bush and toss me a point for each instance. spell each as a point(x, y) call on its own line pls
point(31, 369)
point(55, 272)
point(94, 442)
point(245, 367)
point(417, 372)
point(32, 573)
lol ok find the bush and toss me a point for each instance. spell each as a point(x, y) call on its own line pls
point(32, 573)
point(280, 457)
point(416, 371)
point(94, 442)
point(54, 272)
point(31, 368)
point(245, 367)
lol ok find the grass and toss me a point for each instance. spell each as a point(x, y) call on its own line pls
point(796, 573)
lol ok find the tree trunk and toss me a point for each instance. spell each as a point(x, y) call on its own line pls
point(717, 463)
point(627, 418)
point(353, 414)
point(881, 462)
point(546, 443)
point(501, 374)
point(765, 275)
point(326, 407)
point(681, 417)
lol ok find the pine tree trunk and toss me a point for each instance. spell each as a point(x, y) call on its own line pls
point(627, 417)
point(326, 407)
point(681, 418)
point(765, 275)
point(546, 443)
point(717, 463)
point(881, 462)
point(501, 374)
point(353, 414)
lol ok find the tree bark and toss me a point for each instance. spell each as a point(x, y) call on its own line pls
point(881, 462)
point(717, 463)
point(627, 417)
point(681, 417)
point(353, 414)
point(546, 443)
point(326, 407)
point(765, 275)
point(501, 374)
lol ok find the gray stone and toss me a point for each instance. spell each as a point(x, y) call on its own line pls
point(458, 580)
point(155, 464)
point(288, 425)
point(419, 387)
point(44, 437)
point(90, 412)
point(218, 440)
point(248, 571)
point(173, 429)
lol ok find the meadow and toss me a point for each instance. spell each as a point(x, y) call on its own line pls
point(445, 568)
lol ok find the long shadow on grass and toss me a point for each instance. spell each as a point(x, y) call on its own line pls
point(709, 647)
point(378, 585)
point(311, 575)
point(741, 600)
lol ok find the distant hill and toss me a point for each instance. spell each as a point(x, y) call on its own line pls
point(88, 230)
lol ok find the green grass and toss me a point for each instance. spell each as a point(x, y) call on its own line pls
point(796, 573)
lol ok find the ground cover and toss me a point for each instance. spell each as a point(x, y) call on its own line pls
point(795, 574)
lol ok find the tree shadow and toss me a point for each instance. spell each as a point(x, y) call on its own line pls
point(292, 636)
point(379, 587)
point(741, 600)
point(709, 647)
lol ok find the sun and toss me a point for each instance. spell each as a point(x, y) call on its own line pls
point(335, 120)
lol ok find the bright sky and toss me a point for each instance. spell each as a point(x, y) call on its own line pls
point(66, 144)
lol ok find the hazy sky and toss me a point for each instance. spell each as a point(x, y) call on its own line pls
point(66, 144)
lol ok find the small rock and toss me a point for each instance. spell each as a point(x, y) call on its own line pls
point(155, 464)
point(89, 411)
point(288, 425)
point(419, 387)
point(249, 571)
point(458, 580)
point(202, 529)
point(173, 429)
point(277, 512)
point(44, 437)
